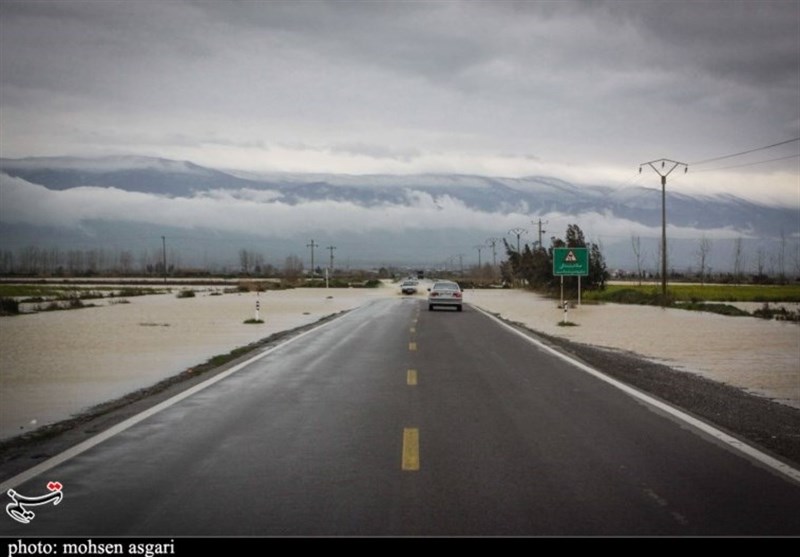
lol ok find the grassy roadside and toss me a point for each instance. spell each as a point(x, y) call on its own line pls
point(644, 294)
point(713, 298)
point(62, 292)
point(53, 297)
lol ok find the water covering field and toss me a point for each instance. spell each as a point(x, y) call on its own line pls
point(57, 363)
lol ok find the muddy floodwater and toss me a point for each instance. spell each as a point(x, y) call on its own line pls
point(56, 364)
point(760, 356)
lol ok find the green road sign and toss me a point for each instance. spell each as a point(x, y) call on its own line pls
point(571, 262)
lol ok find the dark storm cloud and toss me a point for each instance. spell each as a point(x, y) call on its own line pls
point(751, 42)
point(581, 90)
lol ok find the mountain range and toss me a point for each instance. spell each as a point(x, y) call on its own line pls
point(130, 202)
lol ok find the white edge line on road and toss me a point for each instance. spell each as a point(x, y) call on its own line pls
point(74, 451)
point(736, 444)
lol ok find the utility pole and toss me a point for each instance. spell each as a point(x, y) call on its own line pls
point(164, 254)
point(518, 232)
point(312, 245)
point(331, 248)
point(541, 230)
point(461, 263)
point(479, 248)
point(493, 242)
point(664, 173)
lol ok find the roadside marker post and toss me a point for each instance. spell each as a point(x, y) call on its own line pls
point(258, 307)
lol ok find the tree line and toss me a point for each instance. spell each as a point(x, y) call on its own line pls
point(55, 262)
point(532, 266)
point(757, 267)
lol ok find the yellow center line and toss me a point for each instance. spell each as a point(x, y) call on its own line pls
point(412, 346)
point(410, 449)
point(411, 377)
point(413, 329)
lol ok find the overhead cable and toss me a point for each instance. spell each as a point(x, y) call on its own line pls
point(750, 163)
point(745, 152)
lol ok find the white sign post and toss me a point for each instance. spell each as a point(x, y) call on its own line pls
point(570, 262)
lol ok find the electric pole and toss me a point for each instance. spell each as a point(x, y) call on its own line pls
point(493, 242)
point(541, 230)
point(312, 245)
point(479, 248)
point(331, 248)
point(664, 173)
point(164, 256)
point(518, 232)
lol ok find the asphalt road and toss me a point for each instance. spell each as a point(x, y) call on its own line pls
point(394, 420)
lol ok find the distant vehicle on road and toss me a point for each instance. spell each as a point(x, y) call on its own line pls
point(445, 293)
point(409, 287)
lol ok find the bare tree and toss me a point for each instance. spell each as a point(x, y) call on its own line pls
point(703, 255)
point(636, 244)
point(737, 260)
point(782, 258)
point(175, 261)
point(53, 260)
point(144, 262)
point(125, 262)
point(797, 260)
point(28, 260)
point(292, 267)
point(6, 262)
point(761, 256)
point(244, 261)
point(772, 260)
point(93, 261)
point(74, 262)
point(257, 259)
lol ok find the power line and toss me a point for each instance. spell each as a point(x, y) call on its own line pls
point(637, 177)
point(745, 152)
point(749, 164)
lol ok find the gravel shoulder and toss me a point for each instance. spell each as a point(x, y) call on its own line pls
point(772, 427)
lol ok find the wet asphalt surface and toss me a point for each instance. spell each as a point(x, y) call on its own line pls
point(393, 420)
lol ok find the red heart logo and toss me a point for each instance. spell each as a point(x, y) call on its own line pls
point(54, 486)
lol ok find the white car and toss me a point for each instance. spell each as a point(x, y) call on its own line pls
point(409, 287)
point(445, 294)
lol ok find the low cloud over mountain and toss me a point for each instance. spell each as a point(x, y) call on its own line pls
point(130, 202)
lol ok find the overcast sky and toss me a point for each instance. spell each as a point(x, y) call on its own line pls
point(584, 91)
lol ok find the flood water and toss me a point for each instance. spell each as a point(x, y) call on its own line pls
point(56, 364)
point(760, 356)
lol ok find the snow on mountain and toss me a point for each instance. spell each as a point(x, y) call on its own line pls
point(402, 210)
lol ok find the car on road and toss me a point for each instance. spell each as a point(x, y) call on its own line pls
point(445, 293)
point(409, 287)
